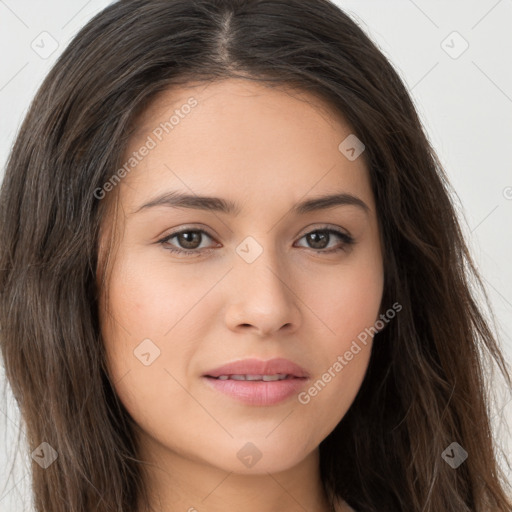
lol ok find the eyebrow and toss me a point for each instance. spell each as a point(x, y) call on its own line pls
point(217, 204)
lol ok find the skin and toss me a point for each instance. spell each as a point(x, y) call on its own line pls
point(265, 149)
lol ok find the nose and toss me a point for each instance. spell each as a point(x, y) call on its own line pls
point(261, 297)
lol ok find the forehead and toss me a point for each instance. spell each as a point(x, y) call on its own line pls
point(244, 138)
point(235, 96)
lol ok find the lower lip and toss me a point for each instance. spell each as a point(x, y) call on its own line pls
point(258, 392)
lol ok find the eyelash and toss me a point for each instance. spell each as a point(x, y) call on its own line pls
point(347, 240)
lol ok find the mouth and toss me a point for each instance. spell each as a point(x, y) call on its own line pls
point(257, 391)
point(257, 369)
point(264, 378)
point(256, 382)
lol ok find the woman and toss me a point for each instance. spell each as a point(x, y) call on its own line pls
point(232, 276)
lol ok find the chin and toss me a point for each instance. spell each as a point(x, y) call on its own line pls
point(259, 457)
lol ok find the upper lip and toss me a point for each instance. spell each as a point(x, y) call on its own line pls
point(259, 367)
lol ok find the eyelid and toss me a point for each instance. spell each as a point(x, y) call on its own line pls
point(323, 227)
point(189, 227)
point(185, 229)
point(347, 241)
point(301, 234)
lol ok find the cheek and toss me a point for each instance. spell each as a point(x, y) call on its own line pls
point(345, 299)
point(346, 306)
point(154, 308)
point(147, 354)
point(141, 330)
point(149, 297)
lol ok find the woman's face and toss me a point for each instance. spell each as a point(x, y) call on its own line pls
point(262, 280)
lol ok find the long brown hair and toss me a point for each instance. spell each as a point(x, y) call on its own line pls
point(425, 386)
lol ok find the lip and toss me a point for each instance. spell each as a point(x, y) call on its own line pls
point(259, 367)
point(258, 393)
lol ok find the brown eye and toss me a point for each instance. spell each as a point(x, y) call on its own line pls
point(188, 241)
point(320, 239)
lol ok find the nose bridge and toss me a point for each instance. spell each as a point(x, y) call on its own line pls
point(262, 295)
point(259, 259)
point(259, 254)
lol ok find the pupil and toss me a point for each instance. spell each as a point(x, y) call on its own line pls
point(188, 244)
point(319, 234)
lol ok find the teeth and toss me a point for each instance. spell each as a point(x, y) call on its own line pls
point(279, 376)
point(238, 377)
point(266, 378)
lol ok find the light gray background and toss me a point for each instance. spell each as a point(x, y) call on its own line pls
point(464, 99)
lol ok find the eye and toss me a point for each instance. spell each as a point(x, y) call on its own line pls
point(191, 240)
point(188, 238)
point(320, 238)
